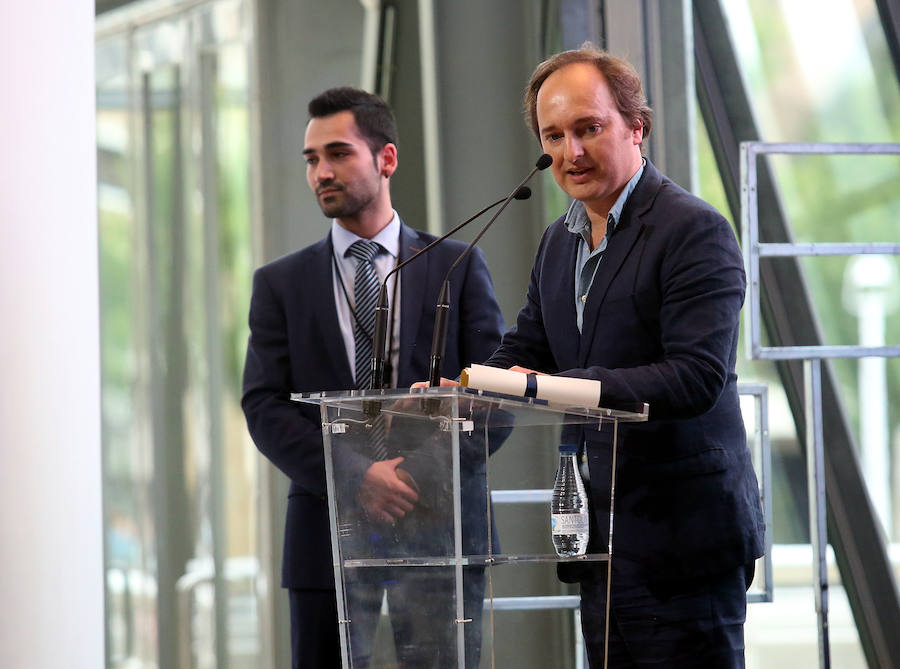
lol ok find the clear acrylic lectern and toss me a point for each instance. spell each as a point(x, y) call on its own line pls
point(413, 536)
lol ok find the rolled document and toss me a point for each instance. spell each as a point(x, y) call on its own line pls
point(564, 390)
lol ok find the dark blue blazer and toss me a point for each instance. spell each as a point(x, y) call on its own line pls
point(296, 346)
point(660, 326)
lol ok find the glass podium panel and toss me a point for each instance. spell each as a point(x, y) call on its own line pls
point(414, 538)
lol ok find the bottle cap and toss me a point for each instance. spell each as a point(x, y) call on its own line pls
point(568, 449)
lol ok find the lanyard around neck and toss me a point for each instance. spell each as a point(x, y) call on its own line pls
point(351, 306)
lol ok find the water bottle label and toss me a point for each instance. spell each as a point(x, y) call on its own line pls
point(569, 523)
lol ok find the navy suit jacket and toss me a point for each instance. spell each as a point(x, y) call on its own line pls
point(296, 346)
point(660, 326)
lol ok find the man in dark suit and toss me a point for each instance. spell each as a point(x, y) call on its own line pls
point(306, 334)
point(639, 285)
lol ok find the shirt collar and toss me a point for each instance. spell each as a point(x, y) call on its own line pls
point(577, 221)
point(388, 237)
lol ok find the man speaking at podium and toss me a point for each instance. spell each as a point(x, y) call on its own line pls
point(311, 316)
point(640, 285)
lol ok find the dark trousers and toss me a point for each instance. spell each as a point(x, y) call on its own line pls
point(686, 624)
point(421, 601)
point(422, 606)
point(315, 643)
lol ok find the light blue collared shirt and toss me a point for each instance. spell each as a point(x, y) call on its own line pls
point(389, 239)
point(587, 261)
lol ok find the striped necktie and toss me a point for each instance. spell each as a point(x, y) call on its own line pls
point(365, 295)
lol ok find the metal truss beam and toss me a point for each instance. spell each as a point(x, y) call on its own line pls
point(889, 12)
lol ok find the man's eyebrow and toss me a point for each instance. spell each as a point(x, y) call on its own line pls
point(593, 118)
point(330, 146)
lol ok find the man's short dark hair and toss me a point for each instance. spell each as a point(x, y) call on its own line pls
point(624, 84)
point(372, 114)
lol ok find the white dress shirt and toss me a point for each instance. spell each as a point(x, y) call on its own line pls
point(389, 239)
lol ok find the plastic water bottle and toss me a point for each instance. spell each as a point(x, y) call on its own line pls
point(569, 523)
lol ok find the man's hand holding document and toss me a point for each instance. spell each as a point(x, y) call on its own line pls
point(559, 390)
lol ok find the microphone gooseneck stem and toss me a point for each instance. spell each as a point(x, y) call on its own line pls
point(439, 337)
point(523, 195)
point(443, 307)
point(379, 335)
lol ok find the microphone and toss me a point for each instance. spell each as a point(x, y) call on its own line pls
point(439, 338)
point(379, 334)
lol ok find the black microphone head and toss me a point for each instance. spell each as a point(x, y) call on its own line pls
point(523, 193)
point(544, 161)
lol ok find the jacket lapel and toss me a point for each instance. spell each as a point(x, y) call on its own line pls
point(412, 293)
point(621, 243)
point(559, 314)
point(328, 320)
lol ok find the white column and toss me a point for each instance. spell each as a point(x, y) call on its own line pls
point(51, 558)
point(869, 280)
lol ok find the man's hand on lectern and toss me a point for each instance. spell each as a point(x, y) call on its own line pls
point(444, 382)
point(386, 493)
point(525, 370)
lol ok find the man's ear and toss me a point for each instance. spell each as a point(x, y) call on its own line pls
point(388, 160)
point(637, 132)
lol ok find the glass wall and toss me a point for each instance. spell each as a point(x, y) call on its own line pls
point(821, 72)
point(173, 126)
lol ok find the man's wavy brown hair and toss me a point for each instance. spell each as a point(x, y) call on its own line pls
point(623, 80)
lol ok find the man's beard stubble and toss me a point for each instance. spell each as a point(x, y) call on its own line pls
point(349, 202)
point(345, 205)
